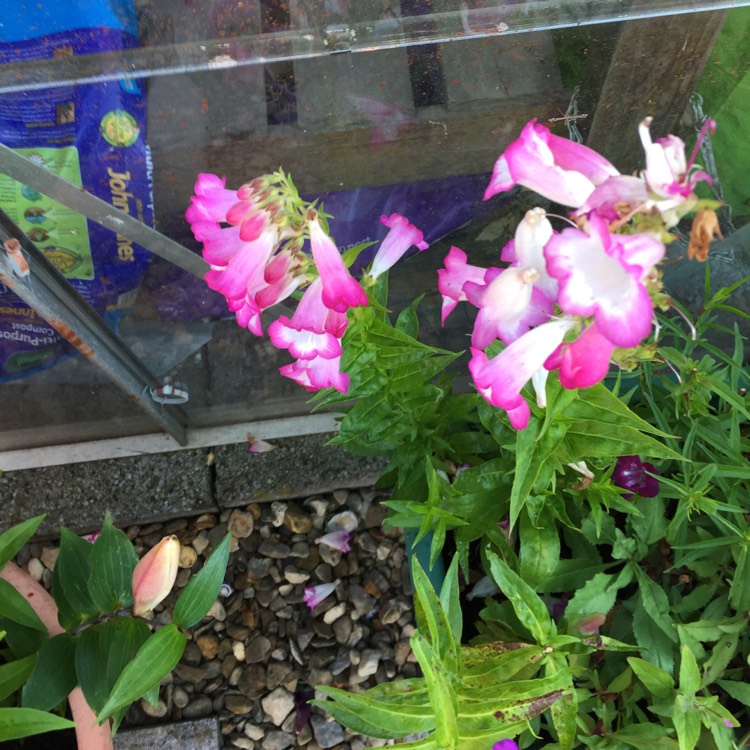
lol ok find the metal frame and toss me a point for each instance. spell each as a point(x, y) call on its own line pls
point(30, 275)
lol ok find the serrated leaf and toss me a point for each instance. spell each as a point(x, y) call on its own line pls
point(24, 722)
point(655, 603)
point(155, 659)
point(690, 675)
point(540, 549)
point(16, 536)
point(432, 618)
point(657, 681)
point(203, 588)
point(529, 608)
point(54, 676)
point(113, 560)
point(687, 722)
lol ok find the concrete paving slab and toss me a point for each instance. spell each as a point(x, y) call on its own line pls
point(185, 735)
point(299, 467)
point(135, 490)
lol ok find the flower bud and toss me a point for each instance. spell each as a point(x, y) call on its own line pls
point(155, 574)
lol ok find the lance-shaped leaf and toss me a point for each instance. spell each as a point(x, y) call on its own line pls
point(155, 660)
point(16, 536)
point(14, 606)
point(70, 580)
point(202, 589)
point(529, 608)
point(24, 722)
point(112, 562)
point(14, 674)
point(54, 676)
point(432, 619)
point(657, 681)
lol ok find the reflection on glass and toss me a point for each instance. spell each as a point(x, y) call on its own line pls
point(411, 121)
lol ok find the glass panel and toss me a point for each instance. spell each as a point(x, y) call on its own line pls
point(374, 107)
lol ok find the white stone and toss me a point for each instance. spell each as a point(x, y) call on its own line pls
point(278, 705)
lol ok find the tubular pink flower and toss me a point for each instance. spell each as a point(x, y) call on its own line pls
point(532, 234)
point(401, 237)
point(211, 201)
point(314, 330)
point(558, 169)
point(585, 361)
point(452, 278)
point(155, 574)
point(501, 379)
point(317, 373)
point(508, 306)
point(340, 290)
point(314, 595)
point(337, 540)
point(600, 274)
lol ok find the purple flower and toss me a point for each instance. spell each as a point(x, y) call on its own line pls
point(314, 595)
point(337, 540)
point(304, 709)
point(630, 474)
point(505, 745)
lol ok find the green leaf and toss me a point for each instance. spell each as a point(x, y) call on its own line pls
point(103, 652)
point(24, 722)
point(408, 321)
point(54, 676)
point(13, 675)
point(740, 691)
point(442, 694)
point(690, 675)
point(14, 606)
point(450, 602)
point(657, 681)
point(400, 718)
point(597, 595)
point(431, 617)
point(739, 591)
point(540, 549)
point(16, 536)
point(71, 576)
point(535, 455)
point(203, 588)
point(564, 714)
point(529, 608)
point(21, 640)
point(687, 722)
point(655, 603)
point(113, 560)
point(646, 736)
point(155, 659)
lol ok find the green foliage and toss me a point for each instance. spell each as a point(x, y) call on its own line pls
point(620, 620)
point(114, 657)
point(201, 591)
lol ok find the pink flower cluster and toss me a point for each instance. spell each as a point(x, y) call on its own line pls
point(568, 298)
point(253, 240)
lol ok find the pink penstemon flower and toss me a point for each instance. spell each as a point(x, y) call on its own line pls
point(314, 329)
point(340, 290)
point(401, 237)
point(563, 171)
point(338, 540)
point(452, 278)
point(314, 595)
point(317, 373)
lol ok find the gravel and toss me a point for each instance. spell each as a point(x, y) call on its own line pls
point(261, 652)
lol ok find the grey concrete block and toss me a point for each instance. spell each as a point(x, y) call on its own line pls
point(185, 735)
point(138, 489)
point(298, 467)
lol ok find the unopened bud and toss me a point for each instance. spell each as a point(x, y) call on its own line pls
point(155, 574)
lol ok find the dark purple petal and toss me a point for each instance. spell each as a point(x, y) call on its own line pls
point(631, 474)
point(301, 698)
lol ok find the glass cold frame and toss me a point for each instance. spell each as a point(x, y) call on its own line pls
point(376, 106)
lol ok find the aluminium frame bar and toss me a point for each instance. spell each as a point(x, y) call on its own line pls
point(43, 287)
point(28, 173)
